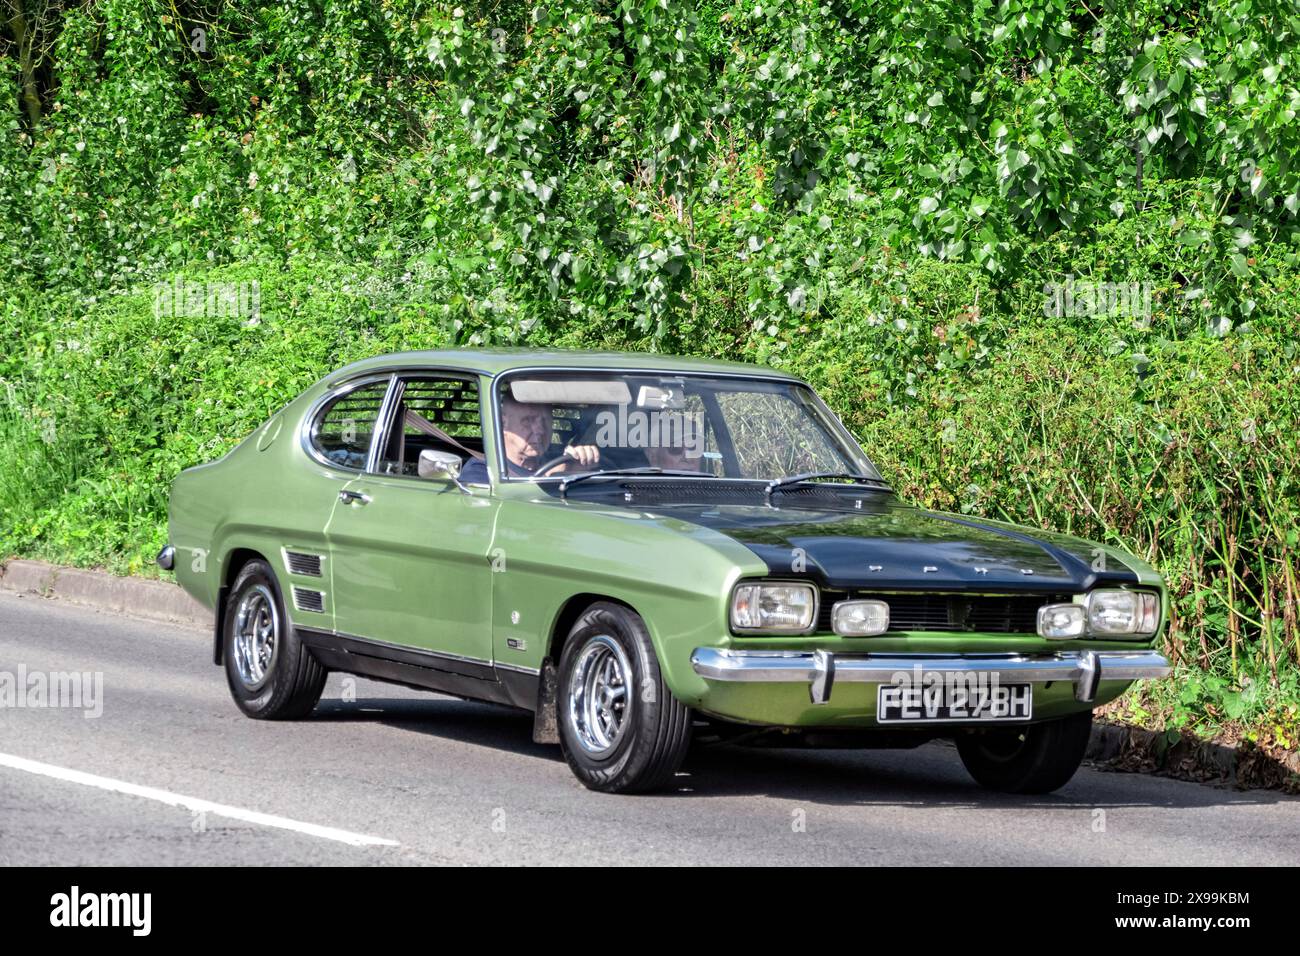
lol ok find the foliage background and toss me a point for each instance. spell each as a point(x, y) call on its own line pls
point(871, 193)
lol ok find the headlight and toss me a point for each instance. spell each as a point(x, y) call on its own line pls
point(788, 608)
point(860, 618)
point(1112, 612)
point(1061, 622)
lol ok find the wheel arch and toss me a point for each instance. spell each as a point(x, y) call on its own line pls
point(231, 565)
point(568, 615)
point(545, 719)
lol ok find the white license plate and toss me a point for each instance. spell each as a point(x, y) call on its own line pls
point(944, 703)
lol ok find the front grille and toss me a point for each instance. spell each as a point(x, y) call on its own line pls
point(957, 613)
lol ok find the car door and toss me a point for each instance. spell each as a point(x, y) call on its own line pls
point(338, 436)
point(409, 555)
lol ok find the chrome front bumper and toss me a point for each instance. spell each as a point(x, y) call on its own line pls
point(822, 669)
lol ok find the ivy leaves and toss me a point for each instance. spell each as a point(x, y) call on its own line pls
point(602, 161)
point(584, 123)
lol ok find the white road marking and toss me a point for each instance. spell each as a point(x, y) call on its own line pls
point(192, 803)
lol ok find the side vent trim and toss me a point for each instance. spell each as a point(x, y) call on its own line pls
point(303, 563)
point(305, 599)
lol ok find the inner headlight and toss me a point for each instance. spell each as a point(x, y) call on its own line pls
point(1062, 622)
point(1115, 612)
point(787, 608)
point(860, 618)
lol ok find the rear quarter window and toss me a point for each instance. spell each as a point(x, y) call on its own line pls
point(343, 428)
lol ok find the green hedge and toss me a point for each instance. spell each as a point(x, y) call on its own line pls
point(881, 195)
point(1187, 457)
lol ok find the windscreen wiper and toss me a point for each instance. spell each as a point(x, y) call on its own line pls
point(616, 472)
point(776, 484)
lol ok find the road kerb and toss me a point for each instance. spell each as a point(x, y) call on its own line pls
point(153, 600)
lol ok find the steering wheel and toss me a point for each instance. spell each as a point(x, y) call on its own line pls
point(541, 470)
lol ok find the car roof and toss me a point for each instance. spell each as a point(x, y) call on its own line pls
point(493, 361)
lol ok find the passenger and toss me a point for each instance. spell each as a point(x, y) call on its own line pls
point(686, 455)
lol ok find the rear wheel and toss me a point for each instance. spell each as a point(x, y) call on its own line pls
point(621, 729)
point(271, 675)
point(1035, 758)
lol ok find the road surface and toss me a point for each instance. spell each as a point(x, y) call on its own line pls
point(171, 773)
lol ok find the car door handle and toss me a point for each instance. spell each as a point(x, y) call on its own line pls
point(353, 497)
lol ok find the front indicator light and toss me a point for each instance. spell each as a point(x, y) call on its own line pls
point(1062, 622)
point(776, 608)
point(860, 618)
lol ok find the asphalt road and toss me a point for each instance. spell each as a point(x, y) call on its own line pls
point(412, 778)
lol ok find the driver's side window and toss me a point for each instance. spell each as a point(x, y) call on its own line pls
point(432, 413)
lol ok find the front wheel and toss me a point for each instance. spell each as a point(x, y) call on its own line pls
point(272, 676)
point(1035, 758)
point(621, 729)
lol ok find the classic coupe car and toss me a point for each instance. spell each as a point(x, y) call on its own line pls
point(639, 550)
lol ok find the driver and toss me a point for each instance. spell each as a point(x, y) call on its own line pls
point(526, 430)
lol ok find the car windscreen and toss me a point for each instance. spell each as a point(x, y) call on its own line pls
point(553, 424)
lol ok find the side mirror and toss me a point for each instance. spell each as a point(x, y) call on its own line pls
point(441, 465)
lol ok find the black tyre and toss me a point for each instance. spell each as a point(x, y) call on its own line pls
point(271, 675)
point(621, 729)
point(1035, 758)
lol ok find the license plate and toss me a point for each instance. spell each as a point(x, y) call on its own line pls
point(944, 703)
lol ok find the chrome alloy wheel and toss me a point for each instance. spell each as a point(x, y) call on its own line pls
point(257, 636)
point(600, 704)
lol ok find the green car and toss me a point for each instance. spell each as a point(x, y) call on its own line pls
point(640, 550)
